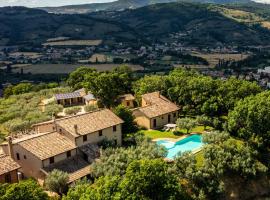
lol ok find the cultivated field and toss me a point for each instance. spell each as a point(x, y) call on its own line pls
point(74, 43)
point(67, 68)
point(32, 55)
point(213, 59)
point(100, 58)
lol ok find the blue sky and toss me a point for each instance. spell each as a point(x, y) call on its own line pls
point(40, 3)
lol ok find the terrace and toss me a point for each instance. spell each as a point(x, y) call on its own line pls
point(76, 167)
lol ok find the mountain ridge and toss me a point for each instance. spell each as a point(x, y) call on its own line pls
point(124, 4)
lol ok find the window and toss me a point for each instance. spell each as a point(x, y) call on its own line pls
point(174, 115)
point(155, 123)
point(24, 157)
point(114, 128)
point(85, 138)
point(51, 160)
point(128, 104)
point(68, 154)
point(100, 133)
point(8, 178)
point(18, 156)
point(60, 130)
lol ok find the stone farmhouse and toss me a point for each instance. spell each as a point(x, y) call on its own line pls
point(68, 144)
point(155, 111)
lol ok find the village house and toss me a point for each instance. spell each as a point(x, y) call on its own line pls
point(8, 169)
point(127, 100)
point(78, 97)
point(68, 144)
point(155, 111)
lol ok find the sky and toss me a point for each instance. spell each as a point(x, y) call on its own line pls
point(42, 3)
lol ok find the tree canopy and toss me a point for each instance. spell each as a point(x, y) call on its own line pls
point(114, 161)
point(106, 86)
point(250, 119)
point(24, 190)
point(126, 115)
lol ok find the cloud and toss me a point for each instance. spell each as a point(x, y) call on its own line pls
point(262, 1)
point(40, 3)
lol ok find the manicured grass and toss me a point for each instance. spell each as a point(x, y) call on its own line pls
point(154, 134)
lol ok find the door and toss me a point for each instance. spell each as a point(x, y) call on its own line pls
point(155, 123)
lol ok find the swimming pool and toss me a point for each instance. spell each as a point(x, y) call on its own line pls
point(189, 143)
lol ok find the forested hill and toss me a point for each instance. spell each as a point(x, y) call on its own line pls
point(203, 24)
point(20, 25)
point(125, 4)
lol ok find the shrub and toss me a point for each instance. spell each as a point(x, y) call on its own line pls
point(57, 181)
point(73, 110)
point(90, 108)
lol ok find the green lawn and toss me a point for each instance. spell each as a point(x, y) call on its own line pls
point(154, 134)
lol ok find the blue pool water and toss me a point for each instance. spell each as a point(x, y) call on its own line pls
point(189, 143)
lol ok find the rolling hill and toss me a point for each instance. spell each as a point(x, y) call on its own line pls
point(202, 24)
point(23, 26)
point(125, 4)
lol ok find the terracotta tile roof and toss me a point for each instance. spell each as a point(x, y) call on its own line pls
point(47, 145)
point(89, 122)
point(76, 167)
point(157, 105)
point(127, 97)
point(7, 164)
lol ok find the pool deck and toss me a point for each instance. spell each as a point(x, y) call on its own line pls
point(176, 139)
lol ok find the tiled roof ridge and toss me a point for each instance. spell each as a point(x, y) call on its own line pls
point(79, 115)
point(68, 117)
point(34, 136)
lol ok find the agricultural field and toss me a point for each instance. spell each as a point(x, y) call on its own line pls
point(74, 43)
point(242, 16)
point(100, 58)
point(213, 59)
point(32, 55)
point(67, 68)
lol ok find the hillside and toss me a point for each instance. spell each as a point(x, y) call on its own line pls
point(124, 4)
point(112, 6)
point(21, 25)
point(200, 24)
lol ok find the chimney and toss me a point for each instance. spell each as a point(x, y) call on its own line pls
point(10, 147)
point(54, 122)
point(76, 129)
